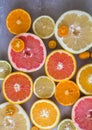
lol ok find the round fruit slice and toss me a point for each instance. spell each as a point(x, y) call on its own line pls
point(67, 92)
point(45, 114)
point(60, 65)
point(43, 26)
point(5, 69)
point(66, 124)
point(52, 44)
point(84, 79)
point(18, 121)
point(44, 87)
point(32, 57)
point(73, 31)
point(82, 113)
point(18, 21)
point(17, 87)
point(17, 45)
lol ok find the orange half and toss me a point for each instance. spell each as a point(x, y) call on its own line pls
point(18, 21)
point(67, 92)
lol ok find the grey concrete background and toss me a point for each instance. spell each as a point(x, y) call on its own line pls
point(53, 8)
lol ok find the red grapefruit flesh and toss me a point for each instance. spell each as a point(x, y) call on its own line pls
point(82, 113)
point(17, 87)
point(32, 57)
point(60, 65)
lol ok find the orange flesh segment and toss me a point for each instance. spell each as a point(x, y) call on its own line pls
point(44, 114)
point(63, 31)
point(67, 92)
point(17, 45)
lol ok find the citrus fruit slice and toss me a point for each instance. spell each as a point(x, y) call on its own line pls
point(34, 128)
point(84, 79)
point(17, 45)
point(52, 44)
point(44, 87)
point(18, 121)
point(32, 57)
point(66, 124)
point(18, 21)
point(67, 92)
point(5, 69)
point(73, 31)
point(17, 87)
point(82, 113)
point(43, 26)
point(60, 65)
point(44, 114)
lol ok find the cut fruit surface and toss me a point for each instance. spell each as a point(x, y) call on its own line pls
point(17, 45)
point(67, 92)
point(32, 57)
point(18, 121)
point(17, 87)
point(84, 79)
point(73, 31)
point(66, 124)
point(5, 69)
point(52, 44)
point(43, 26)
point(82, 113)
point(44, 87)
point(60, 65)
point(45, 114)
point(18, 21)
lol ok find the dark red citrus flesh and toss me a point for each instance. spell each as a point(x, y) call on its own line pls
point(32, 56)
point(17, 87)
point(83, 114)
point(66, 68)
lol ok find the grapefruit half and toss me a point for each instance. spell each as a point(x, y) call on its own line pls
point(32, 57)
point(60, 65)
point(82, 113)
point(17, 87)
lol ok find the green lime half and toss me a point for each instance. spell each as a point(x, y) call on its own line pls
point(66, 124)
point(5, 69)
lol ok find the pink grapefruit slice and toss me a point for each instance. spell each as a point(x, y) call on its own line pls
point(17, 87)
point(82, 113)
point(60, 65)
point(32, 57)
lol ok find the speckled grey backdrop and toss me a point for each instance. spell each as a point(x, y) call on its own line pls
point(54, 8)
